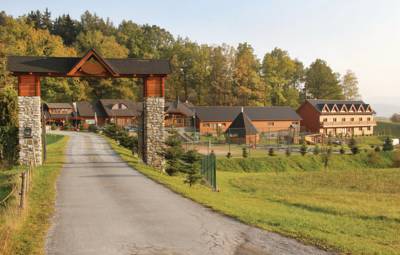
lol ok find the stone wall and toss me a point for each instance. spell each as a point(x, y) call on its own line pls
point(29, 116)
point(153, 131)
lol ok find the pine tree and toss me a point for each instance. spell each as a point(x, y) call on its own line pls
point(388, 144)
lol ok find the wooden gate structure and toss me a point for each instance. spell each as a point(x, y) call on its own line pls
point(29, 70)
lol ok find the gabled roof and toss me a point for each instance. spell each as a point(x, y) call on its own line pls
point(319, 104)
point(88, 109)
point(133, 108)
point(67, 66)
point(242, 125)
point(92, 54)
point(229, 113)
point(178, 107)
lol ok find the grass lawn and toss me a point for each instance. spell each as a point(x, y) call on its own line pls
point(355, 211)
point(23, 233)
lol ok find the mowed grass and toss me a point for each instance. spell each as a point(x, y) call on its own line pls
point(352, 211)
point(24, 232)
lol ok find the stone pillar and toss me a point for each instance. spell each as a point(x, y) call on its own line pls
point(29, 117)
point(153, 131)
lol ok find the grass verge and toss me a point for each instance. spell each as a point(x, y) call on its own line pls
point(354, 211)
point(24, 232)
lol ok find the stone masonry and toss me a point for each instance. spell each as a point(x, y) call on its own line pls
point(153, 131)
point(29, 116)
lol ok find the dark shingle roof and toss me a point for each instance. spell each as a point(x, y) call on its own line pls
point(133, 108)
point(229, 113)
point(178, 107)
point(87, 109)
point(319, 103)
point(62, 65)
point(242, 126)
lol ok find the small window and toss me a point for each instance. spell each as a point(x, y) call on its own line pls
point(334, 119)
point(352, 119)
point(369, 128)
point(360, 128)
point(271, 123)
point(343, 119)
point(325, 120)
point(369, 119)
point(360, 119)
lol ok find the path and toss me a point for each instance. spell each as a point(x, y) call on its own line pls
point(105, 207)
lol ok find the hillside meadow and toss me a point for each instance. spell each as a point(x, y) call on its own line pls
point(355, 211)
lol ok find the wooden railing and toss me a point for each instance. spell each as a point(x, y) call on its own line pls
point(348, 123)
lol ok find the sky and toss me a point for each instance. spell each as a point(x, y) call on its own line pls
point(361, 35)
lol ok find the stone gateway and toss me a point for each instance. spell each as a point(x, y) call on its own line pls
point(30, 69)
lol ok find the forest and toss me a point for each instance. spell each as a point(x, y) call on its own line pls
point(203, 74)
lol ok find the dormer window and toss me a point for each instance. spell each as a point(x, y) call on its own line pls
point(119, 106)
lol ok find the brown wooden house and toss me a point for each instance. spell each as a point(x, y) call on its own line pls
point(178, 114)
point(217, 119)
point(58, 113)
point(337, 117)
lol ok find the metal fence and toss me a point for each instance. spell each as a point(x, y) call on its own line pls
point(209, 170)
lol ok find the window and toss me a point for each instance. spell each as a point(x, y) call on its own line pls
point(369, 128)
point(343, 119)
point(206, 125)
point(360, 128)
point(351, 119)
point(334, 119)
point(295, 122)
point(369, 119)
point(360, 119)
point(271, 123)
point(325, 120)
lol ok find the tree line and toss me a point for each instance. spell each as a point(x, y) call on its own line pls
point(201, 73)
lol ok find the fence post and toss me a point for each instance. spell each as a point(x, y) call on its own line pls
point(23, 191)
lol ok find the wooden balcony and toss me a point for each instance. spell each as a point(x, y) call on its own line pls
point(348, 124)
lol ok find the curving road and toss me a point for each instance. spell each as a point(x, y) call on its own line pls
point(105, 207)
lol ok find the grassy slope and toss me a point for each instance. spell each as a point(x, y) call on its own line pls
point(350, 211)
point(25, 233)
point(309, 162)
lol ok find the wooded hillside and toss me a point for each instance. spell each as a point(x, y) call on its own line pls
point(204, 74)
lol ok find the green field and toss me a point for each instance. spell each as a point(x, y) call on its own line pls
point(387, 129)
point(24, 232)
point(352, 211)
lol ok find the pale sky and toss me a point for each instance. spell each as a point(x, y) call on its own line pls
point(360, 35)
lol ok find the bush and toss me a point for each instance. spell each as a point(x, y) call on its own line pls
point(53, 126)
point(245, 153)
point(93, 128)
point(377, 149)
point(271, 152)
point(173, 153)
point(192, 160)
point(288, 152)
point(229, 155)
point(342, 150)
point(303, 149)
point(355, 150)
point(388, 144)
point(316, 150)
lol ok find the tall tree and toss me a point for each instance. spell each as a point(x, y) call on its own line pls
point(67, 28)
point(321, 82)
point(248, 85)
point(282, 75)
point(350, 86)
point(40, 20)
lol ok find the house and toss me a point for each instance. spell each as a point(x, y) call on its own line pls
point(178, 114)
point(122, 112)
point(58, 113)
point(89, 113)
point(270, 119)
point(337, 117)
point(242, 130)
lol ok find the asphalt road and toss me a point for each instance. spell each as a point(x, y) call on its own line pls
point(105, 207)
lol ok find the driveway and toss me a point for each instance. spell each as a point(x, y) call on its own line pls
point(105, 207)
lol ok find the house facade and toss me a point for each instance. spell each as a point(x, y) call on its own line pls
point(217, 119)
point(178, 114)
point(337, 117)
point(58, 113)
